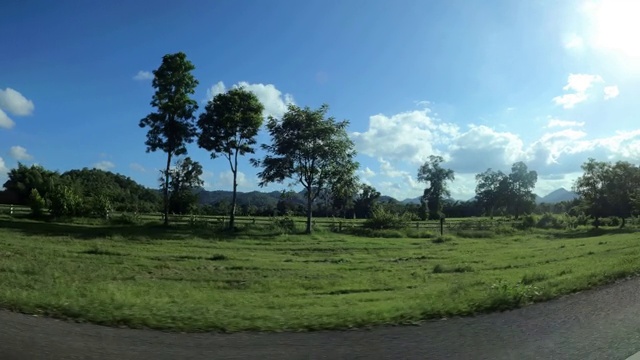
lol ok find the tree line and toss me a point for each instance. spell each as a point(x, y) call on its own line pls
point(307, 148)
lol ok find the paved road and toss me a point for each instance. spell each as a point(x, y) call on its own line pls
point(598, 324)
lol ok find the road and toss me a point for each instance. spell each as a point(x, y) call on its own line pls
point(597, 324)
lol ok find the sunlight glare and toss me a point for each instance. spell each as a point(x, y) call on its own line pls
point(616, 25)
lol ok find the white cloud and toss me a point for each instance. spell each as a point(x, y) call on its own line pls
point(19, 153)
point(409, 136)
point(104, 165)
point(482, 147)
point(226, 179)
point(573, 41)
point(13, 102)
point(5, 120)
point(143, 76)
point(137, 167)
point(274, 101)
point(611, 92)
point(579, 83)
point(3, 171)
point(563, 123)
point(367, 173)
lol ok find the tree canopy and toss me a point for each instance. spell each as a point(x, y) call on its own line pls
point(307, 148)
point(432, 173)
point(228, 128)
point(172, 125)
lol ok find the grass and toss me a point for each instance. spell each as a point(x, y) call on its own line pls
point(183, 279)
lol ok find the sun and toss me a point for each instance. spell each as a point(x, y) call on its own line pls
point(615, 26)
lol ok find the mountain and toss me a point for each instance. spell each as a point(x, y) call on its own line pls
point(557, 196)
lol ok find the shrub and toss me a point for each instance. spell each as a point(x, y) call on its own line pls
point(383, 219)
point(528, 221)
point(284, 224)
point(550, 221)
point(442, 239)
point(65, 202)
point(36, 203)
point(614, 221)
point(125, 219)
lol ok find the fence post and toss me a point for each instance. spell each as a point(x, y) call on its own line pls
point(417, 225)
point(441, 226)
point(11, 210)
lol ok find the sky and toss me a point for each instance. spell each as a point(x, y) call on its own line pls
point(481, 83)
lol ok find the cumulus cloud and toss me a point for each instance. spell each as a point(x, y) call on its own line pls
point(611, 92)
point(15, 103)
point(563, 123)
point(5, 121)
point(3, 171)
point(137, 167)
point(482, 147)
point(579, 84)
point(143, 75)
point(19, 153)
point(409, 136)
point(274, 101)
point(402, 142)
point(104, 165)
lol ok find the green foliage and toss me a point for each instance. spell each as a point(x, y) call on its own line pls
point(184, 179)
point(65, 202)
point(436, 176)
point(550, 221)
point(382, 219)
point(366, 201)
point(528, 222)
point(228, 128)
point(23, 179)
point(36, 203)
point(125, 219)
point(504, 295)
point(309, 149)
point(284, 225)
point(172, 126)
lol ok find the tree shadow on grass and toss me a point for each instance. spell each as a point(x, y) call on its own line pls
point(593, 232)
point(150, 231)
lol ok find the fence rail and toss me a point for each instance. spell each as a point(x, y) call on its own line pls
point(321, 222)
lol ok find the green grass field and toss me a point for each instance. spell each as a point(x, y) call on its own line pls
point(194, 280)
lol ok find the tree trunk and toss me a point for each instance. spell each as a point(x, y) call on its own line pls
point(623, 223)
point(166, 190)
point(232, 217)
point(308, 230)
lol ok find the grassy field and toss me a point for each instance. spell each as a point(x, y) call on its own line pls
point(194, 280)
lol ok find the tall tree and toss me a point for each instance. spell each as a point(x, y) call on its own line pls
point(436, 176)
point(522, 182)
point(490, 192)
point(307, 148)
point(23, 179)
point(172, 126)
point(228, 128)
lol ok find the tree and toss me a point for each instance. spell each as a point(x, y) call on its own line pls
point(521, 185)
point(184, 179)
point(172, 126)
point(490, 192)
point(228, 127)
point(23, 179)
point(365, 201)
point(343, 190)
point(622, 189)
point(436, 176)
point(308, 149)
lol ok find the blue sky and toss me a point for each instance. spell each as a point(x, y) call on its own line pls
point(483, 84)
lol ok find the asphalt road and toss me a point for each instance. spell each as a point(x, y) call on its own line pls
point(597, 324)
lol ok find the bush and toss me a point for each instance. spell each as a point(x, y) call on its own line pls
point(614, 221)
point(528, 222)
point(505, 296)
point(284, 224)
point(36, 203)
point(550, 221)
point(65, 202)
point(382, 219)
point(125, 219)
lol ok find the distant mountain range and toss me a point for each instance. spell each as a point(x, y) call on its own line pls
point(259, 198)
point(553, 197)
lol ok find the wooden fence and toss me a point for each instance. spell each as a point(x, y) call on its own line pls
point(300, 222)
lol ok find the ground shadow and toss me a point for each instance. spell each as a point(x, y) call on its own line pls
point(149, 231)
point(593, 232)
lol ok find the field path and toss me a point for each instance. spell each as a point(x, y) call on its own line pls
point(597, 324)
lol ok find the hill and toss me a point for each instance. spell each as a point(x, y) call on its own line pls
point(557, 196)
